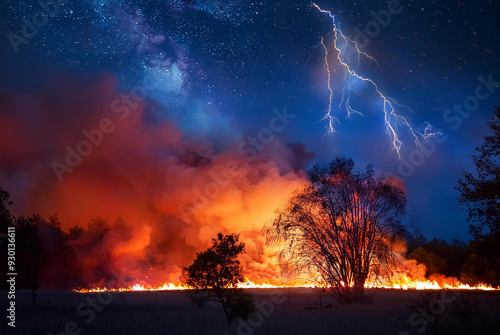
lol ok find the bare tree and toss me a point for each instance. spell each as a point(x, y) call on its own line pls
point(342, 225)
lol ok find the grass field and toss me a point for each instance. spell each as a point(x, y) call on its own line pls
point(280, 311)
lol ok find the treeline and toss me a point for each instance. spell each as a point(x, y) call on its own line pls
point(470, 262)
point(49, 258)
point(479, 260)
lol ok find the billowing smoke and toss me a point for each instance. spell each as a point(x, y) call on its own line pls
point(147, 196)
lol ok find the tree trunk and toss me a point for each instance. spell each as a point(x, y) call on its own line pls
point(359, 289)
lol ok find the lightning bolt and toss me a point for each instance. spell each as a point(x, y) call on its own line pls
point(393, 118)
point(328, 116)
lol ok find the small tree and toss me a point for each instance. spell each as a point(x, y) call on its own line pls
point(214, 275)
point(342, 225)
point(5, 216)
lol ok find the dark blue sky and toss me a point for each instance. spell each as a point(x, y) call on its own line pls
point(224, 66)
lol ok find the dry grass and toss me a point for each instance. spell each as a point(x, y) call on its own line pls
point(299, 313)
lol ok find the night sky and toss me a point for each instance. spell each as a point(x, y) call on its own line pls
point(223, 66)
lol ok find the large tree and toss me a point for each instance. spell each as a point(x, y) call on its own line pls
point(480, 197)
point(341, 225)
point(480, 192)
point(214, 275)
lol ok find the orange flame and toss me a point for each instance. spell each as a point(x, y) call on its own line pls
point(403, 282)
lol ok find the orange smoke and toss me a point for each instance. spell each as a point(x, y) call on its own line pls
point(159, 195)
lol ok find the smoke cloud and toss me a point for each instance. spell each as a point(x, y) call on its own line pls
point(148, 196)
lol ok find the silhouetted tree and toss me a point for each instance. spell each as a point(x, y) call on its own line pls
point(434, 263)
point(99, 227)
point(214, 275)
point(75, 232)
point(478, 269)
point(5, 202)
point(57, 257)
point(480, 193)
point(438, 255)
point(5, 222)
point(342, 225)
point(27, 244)
point(42, 253)
point(480, 196)
point(414, 239)
point(28, 254)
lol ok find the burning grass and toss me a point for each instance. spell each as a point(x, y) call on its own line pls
point(402, 282)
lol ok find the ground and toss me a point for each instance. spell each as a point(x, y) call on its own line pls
point(280, 311)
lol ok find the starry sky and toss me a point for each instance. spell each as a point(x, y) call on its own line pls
point(223, 66)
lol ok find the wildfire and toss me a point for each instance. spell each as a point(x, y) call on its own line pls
point(406, 283)
point(403, 283)
point(135, 287)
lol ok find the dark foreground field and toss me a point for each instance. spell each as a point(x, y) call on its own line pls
point(281, 311)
